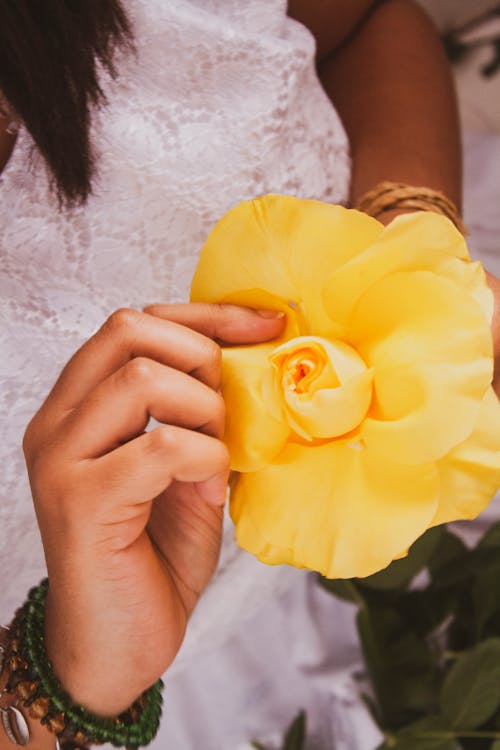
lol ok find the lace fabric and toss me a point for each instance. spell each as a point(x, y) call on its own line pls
point(221, 103)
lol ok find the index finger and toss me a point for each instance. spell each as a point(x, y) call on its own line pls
point(180, 336)
point(127, 334)
point(228, 324)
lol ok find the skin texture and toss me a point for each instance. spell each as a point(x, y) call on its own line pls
point(140, 514)
point(95, 474)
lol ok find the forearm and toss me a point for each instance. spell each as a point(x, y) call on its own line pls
point(392, 86)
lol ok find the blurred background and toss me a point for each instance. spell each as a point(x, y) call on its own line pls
point(472, 31)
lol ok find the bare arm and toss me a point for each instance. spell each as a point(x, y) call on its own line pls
point(384, 68)
point(391, 84)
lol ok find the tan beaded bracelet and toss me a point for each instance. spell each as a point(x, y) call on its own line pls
point(388, 196)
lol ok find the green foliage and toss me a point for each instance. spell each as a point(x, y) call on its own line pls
point(471, 689)
point(487, 597)
point(400, 572)
point(342, 589)
point(491, 539)
point(400, 665)
point(294, 737)
point(419, 736)
point(296, 732)
point(432, 653)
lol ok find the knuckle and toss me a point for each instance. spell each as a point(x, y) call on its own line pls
point(213, 356)
point(218, 406)
point(164, 439)
point(228, 313)
point(154, 309)
point(214, 412)
point(28, 443)
point(223, 456)
point(35, 438)
point(121, 321)
point(225, 308)
point(138, 371)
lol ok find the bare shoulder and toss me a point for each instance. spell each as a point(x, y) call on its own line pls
point(330, 21)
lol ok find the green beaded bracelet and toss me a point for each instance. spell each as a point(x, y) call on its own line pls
point(121, 731)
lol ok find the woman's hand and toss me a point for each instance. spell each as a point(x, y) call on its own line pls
point(131, 520)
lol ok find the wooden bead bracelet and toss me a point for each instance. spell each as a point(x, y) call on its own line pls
point(31, 680)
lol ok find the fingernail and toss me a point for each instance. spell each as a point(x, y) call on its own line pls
point(270, 313)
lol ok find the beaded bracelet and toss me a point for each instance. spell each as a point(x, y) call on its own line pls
point(32, 679)
point(387, 196)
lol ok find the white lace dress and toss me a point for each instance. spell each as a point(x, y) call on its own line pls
point(221, 104)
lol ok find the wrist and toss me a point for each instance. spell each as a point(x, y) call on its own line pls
point(392, 198)
point(388, 215)
point(34, 686)
point(94, 680)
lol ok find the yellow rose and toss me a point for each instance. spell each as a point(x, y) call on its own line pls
point(373, 417)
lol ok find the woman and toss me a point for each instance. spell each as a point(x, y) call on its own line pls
point(219, 102)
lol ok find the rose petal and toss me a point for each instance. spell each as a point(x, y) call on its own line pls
point(279, 249)
point(330, 412)
point(330, 508)
point(472, 279)
point(431, 348)
point(422, 240)
point(470, 473)
point(253, 435)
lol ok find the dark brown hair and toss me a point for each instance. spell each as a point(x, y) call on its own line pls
point(50, 53)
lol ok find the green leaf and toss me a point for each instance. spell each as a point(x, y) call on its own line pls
point(471, 690)
point(376, 628)
point(400, 572)
point(400, 665)
point(486, 597)
point(425, 743)
point(296, 733)
point(496, 745)
point(345, 589)
point(491, 537)
point(449, 551)
point(424, 610)
point(450, 565)
point(408, 738)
